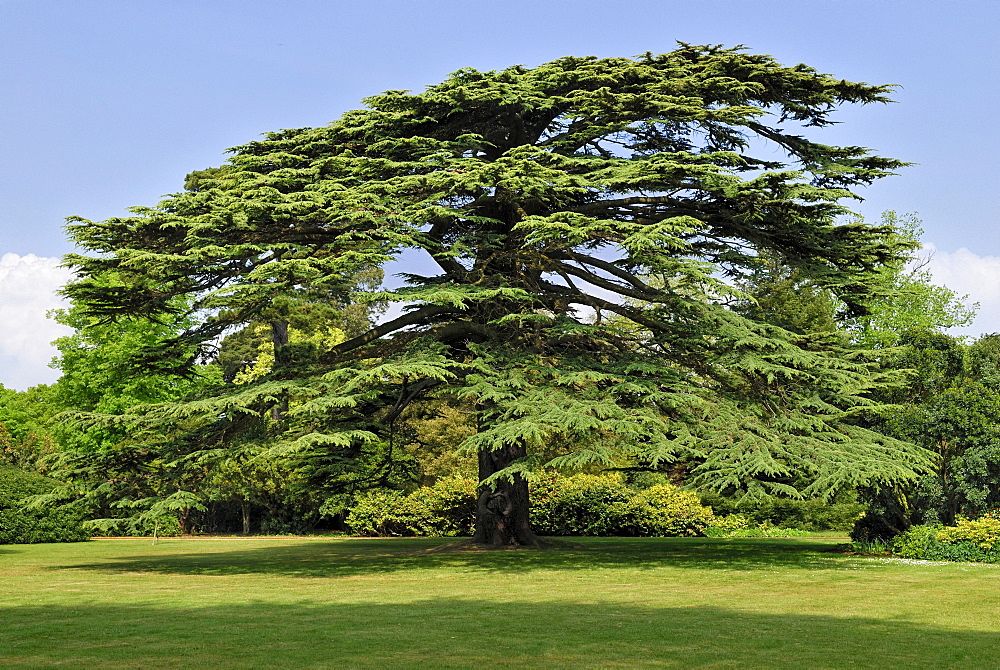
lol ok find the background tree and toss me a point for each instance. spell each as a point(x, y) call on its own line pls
point(97, 376)
point(26, 439)
point(910, 301)
point(949, 405)
point(548, 199)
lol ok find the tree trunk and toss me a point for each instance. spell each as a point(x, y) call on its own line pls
point(279, 338)
point(947, 487)
point(502, 511)
point(245, 511)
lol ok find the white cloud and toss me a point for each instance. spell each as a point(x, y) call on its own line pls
point(977, 276)
point(28, 286)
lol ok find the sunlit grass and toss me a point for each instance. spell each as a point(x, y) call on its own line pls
point(605, 602)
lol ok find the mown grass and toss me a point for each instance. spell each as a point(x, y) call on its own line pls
point(605, 602)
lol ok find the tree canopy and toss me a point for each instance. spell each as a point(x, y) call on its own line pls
point(589, 221)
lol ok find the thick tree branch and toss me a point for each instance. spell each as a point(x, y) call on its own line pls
point(409, 319)
point(596, 280)
point(605, 205)
point(611, 269)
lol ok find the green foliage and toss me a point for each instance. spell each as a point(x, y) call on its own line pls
point(387, 513)
point(594, 505)
point(603, 505)
point(94, 361)
point(431, 431)
point(447, 508)
point(949, 406)
point(581, 505)
point(909, 299)
point(588, 220)
point(968, 540)
point(813, 514)
point(762, 530)
point(983, 532)
point(959, 426)
point(871, 547)
point(24, 525)
point(785, 297)
point(915, 542)
point(452, 503)
point(723, 526)
point(664, 510)
point(26, 439)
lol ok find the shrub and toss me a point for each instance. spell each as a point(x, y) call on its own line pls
point(581, 505)
point(809, 514)
point(962, 551)
point(447, 508)
point(578, 505)
point(968, 540)
point(874, 547)
point(915, 542)
point(761, 530)
point(604, 505)
point(387, 513)
point(28, 526)
point(722, 526)
point(666, 511)
point(451, 502)
point(984, 532)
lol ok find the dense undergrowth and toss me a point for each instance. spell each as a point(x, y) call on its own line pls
point(20, 525)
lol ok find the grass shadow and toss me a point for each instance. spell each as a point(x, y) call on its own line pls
point(459, 633)
point(343, 558)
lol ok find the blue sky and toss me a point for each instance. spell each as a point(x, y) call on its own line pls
point(105, 105)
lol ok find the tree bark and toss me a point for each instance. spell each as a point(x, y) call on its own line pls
point(502, 511)
point(279, 338)
point(245, 511)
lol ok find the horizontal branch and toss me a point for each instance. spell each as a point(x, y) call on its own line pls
point(604, 205)
point(409, 319)
point(611, 269)
point(614, 287)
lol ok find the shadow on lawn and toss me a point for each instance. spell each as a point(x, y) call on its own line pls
point(449, 633)
point(341, 558)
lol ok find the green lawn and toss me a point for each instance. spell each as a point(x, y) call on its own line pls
point(343, 603)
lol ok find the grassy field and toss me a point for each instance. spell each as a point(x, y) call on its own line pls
point(607, 602)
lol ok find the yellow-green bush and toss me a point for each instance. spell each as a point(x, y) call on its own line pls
point(983, 532)
point(968, 540)
point(582, 504)
point(447, 508)
point(605, 505)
